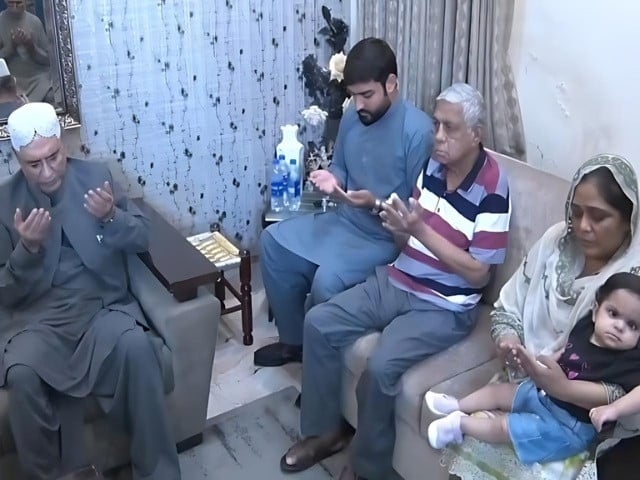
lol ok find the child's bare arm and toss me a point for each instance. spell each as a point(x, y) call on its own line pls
point(627, 405)
point(545, 372)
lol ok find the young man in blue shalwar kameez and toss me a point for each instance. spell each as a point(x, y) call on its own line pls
point(382, 145)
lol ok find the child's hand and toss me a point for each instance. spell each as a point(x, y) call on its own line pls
point(544, 371)
point(601, 415)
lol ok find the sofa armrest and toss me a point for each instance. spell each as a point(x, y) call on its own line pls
point(460, 386)
point(159, 306)
point(190, 330)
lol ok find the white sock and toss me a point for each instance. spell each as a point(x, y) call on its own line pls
point(456, 430)
point(441, 404)
point(446, 430)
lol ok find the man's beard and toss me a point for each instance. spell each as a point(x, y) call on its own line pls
point(368, 118)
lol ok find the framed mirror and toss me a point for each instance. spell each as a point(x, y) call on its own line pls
point(36, 44)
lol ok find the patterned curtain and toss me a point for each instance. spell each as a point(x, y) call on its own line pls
point(439, 42)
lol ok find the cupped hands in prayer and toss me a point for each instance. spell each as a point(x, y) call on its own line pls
point(402, 219)
point(325, 181)
point(34, 229)
point(361, 198)
point(21, 37)
point(100, 203)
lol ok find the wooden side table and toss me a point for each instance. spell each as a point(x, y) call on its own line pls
point(310, 202)
point(226, 256)
point(176, 264)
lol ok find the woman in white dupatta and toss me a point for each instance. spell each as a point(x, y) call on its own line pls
point(553, 288)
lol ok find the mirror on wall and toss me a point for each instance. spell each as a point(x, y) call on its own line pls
point(37, 48)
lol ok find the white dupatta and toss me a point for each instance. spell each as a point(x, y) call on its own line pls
point(545, 298)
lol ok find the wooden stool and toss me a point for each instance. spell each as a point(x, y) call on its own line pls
point(226, 256)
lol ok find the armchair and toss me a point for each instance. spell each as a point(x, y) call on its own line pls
point(190, 328)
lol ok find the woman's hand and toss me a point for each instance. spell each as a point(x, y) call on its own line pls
point(506, 346)
point(601, 415)
point(543, 370)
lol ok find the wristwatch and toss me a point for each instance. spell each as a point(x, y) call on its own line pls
point(377, 207)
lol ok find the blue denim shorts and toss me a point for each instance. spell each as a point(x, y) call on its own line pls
point(543, 432)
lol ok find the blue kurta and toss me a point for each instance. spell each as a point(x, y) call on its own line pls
point(384, 157)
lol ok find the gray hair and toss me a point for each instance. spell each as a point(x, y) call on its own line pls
point(471, 100)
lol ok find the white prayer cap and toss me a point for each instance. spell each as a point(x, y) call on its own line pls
point(4, 70)
point(30, 121)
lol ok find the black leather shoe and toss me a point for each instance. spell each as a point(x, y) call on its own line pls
point(277, 354)
point(87, 473)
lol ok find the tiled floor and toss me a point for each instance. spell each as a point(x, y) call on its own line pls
point(235, 380)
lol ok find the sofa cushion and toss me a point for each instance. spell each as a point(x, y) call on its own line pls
point(476, 349)
point(531, 215)
point(357, 355)
point(459, 386)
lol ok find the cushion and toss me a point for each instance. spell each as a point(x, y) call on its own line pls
point(476, 349)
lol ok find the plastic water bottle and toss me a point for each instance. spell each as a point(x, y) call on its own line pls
point(293, 185)
point(277, 187)
point(284, 171)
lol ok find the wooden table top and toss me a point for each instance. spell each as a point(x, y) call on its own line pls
point(179, 266)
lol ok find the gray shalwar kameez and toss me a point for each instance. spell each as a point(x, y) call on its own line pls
point(72, 329)
point(326, 253)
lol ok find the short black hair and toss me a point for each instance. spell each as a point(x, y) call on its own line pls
point(610, 191)
point(371, 59)
point(618, 281)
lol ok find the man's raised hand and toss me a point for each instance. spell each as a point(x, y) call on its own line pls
point(100, 203)
point(34, 229)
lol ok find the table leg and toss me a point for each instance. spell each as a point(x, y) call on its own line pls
point(245, 297)
point(220, 291)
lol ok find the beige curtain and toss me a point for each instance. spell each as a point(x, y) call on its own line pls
point(439, 42)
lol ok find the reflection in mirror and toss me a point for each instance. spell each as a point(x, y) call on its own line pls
point(10, 99)
point(25, 48)
point(35, 44)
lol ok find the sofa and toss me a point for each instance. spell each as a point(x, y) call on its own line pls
point(538, 201)
point(191, 329)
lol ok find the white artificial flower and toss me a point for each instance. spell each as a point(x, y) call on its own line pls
point(314, 115)
point(345, 104)
point(336, 65)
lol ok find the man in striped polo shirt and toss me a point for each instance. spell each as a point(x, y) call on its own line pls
point(452, 230)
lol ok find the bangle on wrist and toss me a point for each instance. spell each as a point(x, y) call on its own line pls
point(110, 217)
point(377, 207)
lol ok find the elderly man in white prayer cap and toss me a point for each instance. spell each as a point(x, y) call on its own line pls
point(69, 327)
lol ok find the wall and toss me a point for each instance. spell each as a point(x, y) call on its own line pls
point(577, 80)
point(189, 95)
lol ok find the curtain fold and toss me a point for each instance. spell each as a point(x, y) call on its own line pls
point(439, 42)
